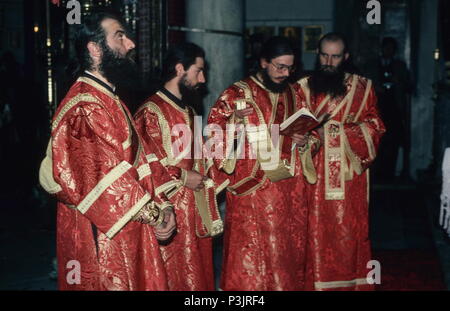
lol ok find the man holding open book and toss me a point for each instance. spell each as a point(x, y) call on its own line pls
point(265, 225)
point(338, 240)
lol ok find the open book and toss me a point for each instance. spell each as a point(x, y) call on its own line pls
point(301, 123)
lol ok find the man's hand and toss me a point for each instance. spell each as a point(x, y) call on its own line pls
point(299, 140)
point(320, 131)
point(244, 112)
point(165, 230)
point(194, 180)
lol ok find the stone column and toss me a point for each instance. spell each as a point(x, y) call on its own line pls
point(224, 51)
point(422, 109)
point(225, 58)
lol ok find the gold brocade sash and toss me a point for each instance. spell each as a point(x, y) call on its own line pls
point(209, 222)
point(261, 142)
point(336, 146)
point(334, 161)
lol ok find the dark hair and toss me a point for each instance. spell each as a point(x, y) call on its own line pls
point(183, 53)
point(333, 37)
point(91, 30)
point(275, 47)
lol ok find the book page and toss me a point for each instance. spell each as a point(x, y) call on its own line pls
point(295, 116)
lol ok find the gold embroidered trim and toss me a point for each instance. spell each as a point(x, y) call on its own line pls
point(169, 101)
point(322, 104)
point(46, 178)
point(164, 162)
point(350, 97)
point(309, 171)
point(151, 158)
point(202, 202)
point(102, 185)
point(260, 85)
point(168, 186)
point(216, 227)
point(304, 86)
point(84, 97)
point(283, 170)
point(166, 133)
point(228, 164)
point(131, 130)
point(347, 99)
point(209, 183)
point(128, 216)
point(98, 86)
point(335, 154)
point(143, 171)
point(209, 164)
point(249, 99)
point(257, 186)
point(336, 284)
point(164, 205)
point(220, 188)
point(126, 144)
point(183, 176)
point(369, 141)
point(366, 95)
point(355, 162)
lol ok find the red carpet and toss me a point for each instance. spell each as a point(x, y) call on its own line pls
point(409, 270)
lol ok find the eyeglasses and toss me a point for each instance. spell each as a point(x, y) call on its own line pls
point(281, 67)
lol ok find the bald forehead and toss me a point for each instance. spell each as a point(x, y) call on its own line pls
point(112, 26)
point(335, 45)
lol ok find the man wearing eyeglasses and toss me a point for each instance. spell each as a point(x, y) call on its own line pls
point(265, 214)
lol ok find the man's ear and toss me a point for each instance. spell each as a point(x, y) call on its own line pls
point(179, 68)
point(346, 56)
point(95, 52)
point(263, 63)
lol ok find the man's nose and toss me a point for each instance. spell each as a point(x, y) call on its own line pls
point(201, 78)
point(129, 44)
point(289, 71)
point(286, 73)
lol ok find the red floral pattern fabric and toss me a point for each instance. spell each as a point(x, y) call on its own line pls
point(338, 239)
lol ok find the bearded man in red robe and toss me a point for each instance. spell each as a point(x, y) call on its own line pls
point(265, 222)
point(166, 122)
point(338, 251)
point(110, 214)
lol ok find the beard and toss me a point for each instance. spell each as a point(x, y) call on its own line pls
point(328, 80)
point(119, 70)
point(191, 94)
point(187, 90)
point(273, 86)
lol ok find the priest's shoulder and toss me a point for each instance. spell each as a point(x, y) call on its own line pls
point(79, 94)
point(233, 90)
point(153, 100)
point(150, 104)
point(363, 82)
point(303, 79)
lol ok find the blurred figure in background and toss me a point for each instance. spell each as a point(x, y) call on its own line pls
point(393, 85)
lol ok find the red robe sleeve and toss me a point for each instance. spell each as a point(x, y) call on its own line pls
point(221, 116)
point(314, 143)
point(147, 125)
point(90, 165)
point(363, 136)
